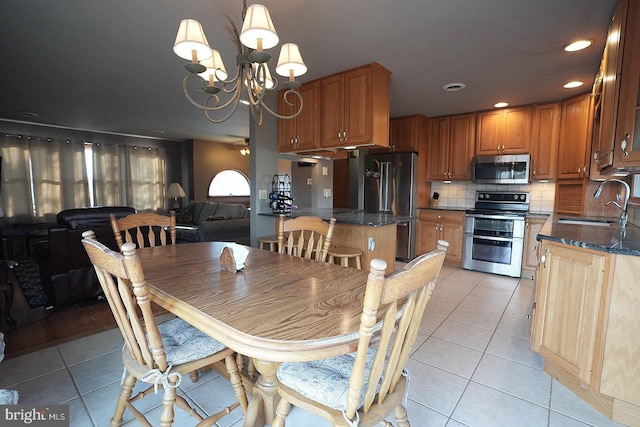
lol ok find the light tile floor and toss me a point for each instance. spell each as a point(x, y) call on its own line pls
point(472, 366)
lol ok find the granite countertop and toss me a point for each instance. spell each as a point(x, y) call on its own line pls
point(600, 238)
point(347, 216)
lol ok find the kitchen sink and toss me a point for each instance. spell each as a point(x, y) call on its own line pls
point(586, 221)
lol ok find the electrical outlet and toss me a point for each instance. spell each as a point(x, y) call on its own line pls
point(371, 244)
point(262, 194)
point(309, 181)
point(327, 193)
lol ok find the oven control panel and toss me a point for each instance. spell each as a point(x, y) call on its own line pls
point(503, 197)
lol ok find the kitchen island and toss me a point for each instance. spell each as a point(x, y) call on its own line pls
point(586, 322)
point(373, 233)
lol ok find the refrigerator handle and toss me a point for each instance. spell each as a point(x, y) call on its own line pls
point(381, 194)
point(385, 199)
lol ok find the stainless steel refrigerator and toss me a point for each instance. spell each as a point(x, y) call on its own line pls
point(389, 187)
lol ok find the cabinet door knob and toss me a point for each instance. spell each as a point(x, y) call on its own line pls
point(623, 145)
point(543, 258)
point(344, 134)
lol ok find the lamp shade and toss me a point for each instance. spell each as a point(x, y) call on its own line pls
point(290, 60)
point(267, 75)
point(175, 190)
point(215, 67)
point(190, 39)
point(258, 25)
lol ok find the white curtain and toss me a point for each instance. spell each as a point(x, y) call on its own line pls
point(146, 187)
point(109, 175)
point(41, 177)
point(129, 176)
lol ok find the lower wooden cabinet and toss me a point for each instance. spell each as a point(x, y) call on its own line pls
point(569, 306)
point(585, 325)
point(533, 225)
point(434, 225)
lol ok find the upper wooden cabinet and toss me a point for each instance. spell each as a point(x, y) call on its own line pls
point(354, 107)
point(506, 131)
point(574, 151)
point(450, 147)
point(544, 141)
point(406, 134)
point(302, 132)
point(617, 95)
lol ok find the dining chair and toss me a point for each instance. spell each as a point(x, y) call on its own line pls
point(155, 353)
point(145, 229)
point(364, 387)
point(305, 236)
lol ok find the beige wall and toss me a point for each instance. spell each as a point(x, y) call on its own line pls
point(209, 158)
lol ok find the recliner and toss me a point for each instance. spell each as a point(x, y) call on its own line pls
point(66, 273)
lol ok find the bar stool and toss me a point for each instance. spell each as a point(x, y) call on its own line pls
point(344, 254)
point(6, 287)
point(271, 240)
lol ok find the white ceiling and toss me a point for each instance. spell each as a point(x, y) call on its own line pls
point(108, 65)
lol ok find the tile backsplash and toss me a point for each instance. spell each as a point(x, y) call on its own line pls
point(463, 194)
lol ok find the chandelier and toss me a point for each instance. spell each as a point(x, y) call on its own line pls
point(221, 95)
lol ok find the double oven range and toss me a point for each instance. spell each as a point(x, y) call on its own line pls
point(494, 233)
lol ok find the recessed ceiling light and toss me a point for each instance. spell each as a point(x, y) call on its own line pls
point(500, 104)
point(577, 45)
point(27, 114)
point(157, 132)
point(454, 87)
point(571, 85)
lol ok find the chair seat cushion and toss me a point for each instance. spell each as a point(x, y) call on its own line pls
point(184, 343)
point(8, 397)
point(325, 381)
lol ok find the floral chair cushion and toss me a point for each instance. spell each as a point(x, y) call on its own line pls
point(325, 381)
point(8, 397)
point(184, 343)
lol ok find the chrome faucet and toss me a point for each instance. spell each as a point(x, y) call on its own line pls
point(623, 208)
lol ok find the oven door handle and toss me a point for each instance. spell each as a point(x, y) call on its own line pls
point(497, 239)
point(504, 217)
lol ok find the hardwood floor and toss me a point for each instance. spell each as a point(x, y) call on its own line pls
point(39, 328)
point(56, 327)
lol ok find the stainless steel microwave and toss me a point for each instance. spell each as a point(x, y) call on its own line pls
point(510, 169)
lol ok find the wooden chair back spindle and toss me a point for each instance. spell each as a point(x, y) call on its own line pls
point(305, 236)
point(145, 229)
point(403, 295)
point(124, 287)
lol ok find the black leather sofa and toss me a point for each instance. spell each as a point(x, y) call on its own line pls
point(66, 273)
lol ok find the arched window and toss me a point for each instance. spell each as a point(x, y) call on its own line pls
point(229, 183)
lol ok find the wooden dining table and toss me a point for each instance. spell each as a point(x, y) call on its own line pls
point(278, 308)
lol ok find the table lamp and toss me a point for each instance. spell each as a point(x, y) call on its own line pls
point(175, 190)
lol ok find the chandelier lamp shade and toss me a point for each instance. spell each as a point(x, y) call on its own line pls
point(218, 94)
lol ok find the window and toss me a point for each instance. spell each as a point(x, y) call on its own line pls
point(635, 187)
point(229, 183)
point(43, 176)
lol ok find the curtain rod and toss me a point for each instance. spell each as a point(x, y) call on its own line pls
point(49, 139)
